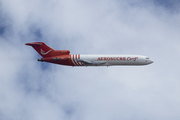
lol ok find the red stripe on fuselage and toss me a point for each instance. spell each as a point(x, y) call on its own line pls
point(74, 57)
point(78, 61)
point(79, 58)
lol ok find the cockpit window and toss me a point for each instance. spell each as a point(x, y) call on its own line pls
point(147, 58)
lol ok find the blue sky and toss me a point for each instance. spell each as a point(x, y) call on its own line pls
point(169, 4)
point(33, 90)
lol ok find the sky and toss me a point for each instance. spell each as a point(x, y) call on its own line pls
point(31, 90)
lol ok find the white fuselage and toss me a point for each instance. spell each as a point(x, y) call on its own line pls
point(109, 60)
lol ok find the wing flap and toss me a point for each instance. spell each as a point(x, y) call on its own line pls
point(91, 62)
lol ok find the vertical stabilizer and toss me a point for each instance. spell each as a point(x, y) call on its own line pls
point(42, 49)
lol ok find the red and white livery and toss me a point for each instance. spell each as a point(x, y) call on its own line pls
point(63, 57)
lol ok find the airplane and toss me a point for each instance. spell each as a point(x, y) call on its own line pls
point(63, 57)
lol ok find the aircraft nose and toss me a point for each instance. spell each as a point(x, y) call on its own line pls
point(151, 61)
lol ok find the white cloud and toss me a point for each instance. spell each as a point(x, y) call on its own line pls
point(34, 90)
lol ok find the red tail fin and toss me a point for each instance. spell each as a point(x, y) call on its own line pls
point(46, 51)
point(42, 49)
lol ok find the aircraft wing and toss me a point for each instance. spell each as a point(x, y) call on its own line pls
point(91, 62)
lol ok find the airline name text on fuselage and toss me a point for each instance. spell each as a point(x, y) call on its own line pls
point(117, 58)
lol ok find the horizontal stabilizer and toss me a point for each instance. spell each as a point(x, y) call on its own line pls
point(34, 43)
